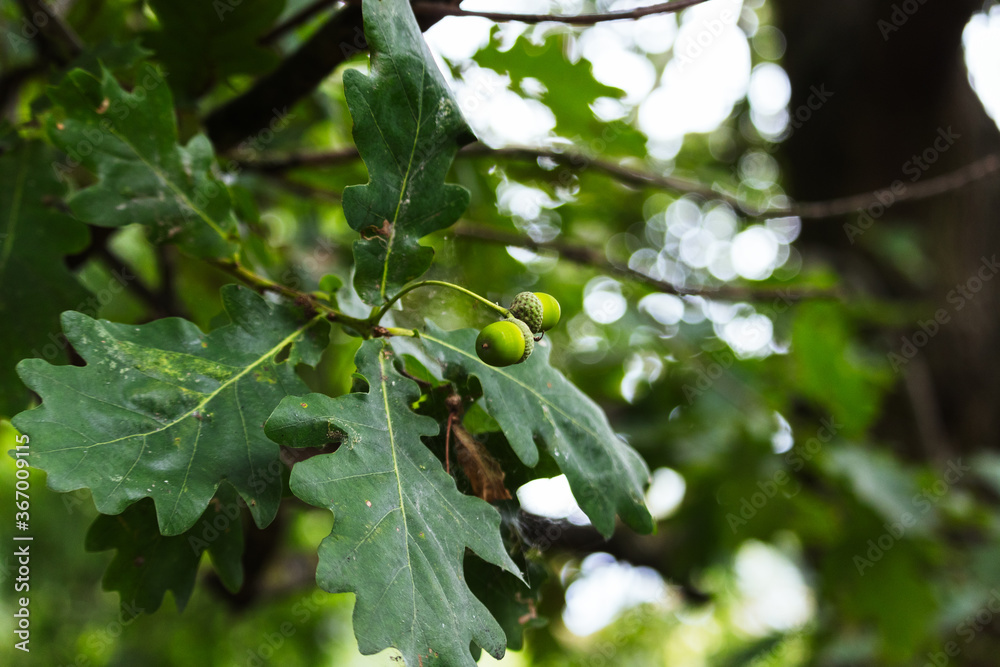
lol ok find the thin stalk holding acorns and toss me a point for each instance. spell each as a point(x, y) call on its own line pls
point(367, 328)
point(377, 316)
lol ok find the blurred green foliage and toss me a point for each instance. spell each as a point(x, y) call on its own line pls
point(783, 444)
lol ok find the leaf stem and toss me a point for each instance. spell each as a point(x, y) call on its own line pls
point(397, 331)
point(377, 316)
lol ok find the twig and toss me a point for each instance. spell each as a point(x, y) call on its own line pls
point(294, 78)
point(572, 159)
point(817, 210)
point(167, 293)
point(932, 187)
point(305, 189)
point(262, 284)
point(162, 307)
point(577, 161)
point(329, 158)
point(340, 37)
point(587, 256)
point(441, 10)
point(581, 162)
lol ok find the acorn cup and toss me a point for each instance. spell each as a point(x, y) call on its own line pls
point(528, 308)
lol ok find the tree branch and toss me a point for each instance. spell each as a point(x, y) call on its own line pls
point(304, 299)
point(572, 159)
point(577, 161)
point(116, 266)
point(340, 37)
point(578, 254)
point(163, 302)
point(955, 180)
point(329, 158)
point(587, 256)
point(262, 284)
point(304, 189)
point(167, 293)
point(440, 10)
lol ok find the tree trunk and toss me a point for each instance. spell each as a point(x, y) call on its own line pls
point(899, 84)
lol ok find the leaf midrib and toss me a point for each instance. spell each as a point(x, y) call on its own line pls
point(170, 184)
point(383, 377)
point(406, 178)
point(208, 397)
point(162, 176)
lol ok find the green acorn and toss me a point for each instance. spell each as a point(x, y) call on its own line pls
point(529, 338)
point(551, 310)
point(501, 343)
point(528, 308)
